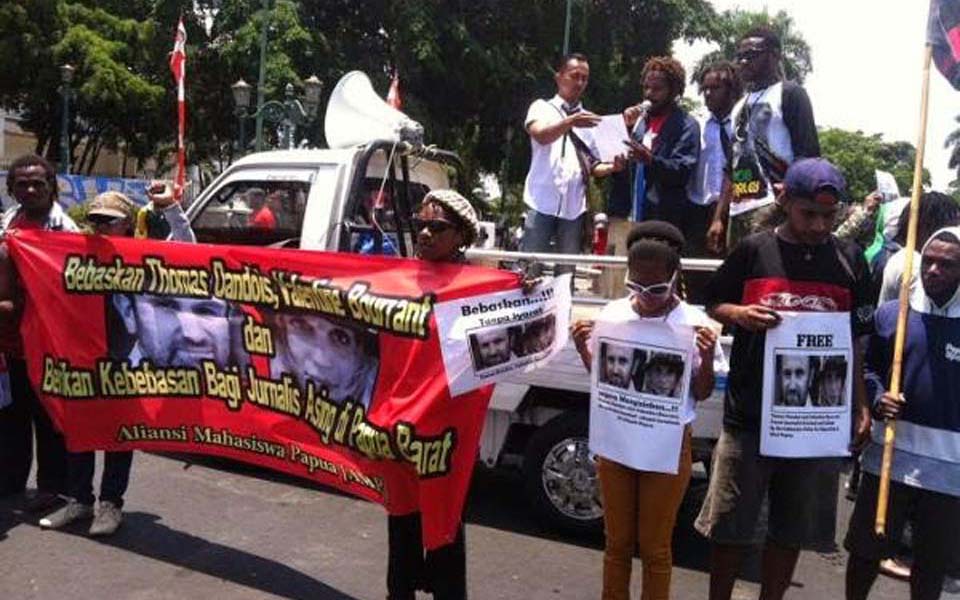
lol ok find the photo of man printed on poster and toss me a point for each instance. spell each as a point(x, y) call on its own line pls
point(618, 364)
point(335, 354)
point(795, 374)
point(830, 386)
point(537, 336)
point(493, 347)
point(170, 331)
point(662, 375)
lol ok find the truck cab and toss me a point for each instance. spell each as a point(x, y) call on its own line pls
point(361, 198)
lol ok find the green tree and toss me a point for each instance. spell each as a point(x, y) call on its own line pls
point(731, 25)
point(953, 141)
point(858, 155)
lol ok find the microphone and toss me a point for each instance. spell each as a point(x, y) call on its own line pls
point(644, 108)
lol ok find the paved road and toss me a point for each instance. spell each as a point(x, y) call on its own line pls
point(220, 530)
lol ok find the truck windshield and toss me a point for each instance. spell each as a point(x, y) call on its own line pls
point(254, 212)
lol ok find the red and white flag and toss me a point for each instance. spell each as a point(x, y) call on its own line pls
point(178, 65)
point(393, 96)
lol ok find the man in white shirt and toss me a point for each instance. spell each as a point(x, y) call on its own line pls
point(721, 88)
point(563, 157)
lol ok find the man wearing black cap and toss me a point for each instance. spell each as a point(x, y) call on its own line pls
point(798, 266)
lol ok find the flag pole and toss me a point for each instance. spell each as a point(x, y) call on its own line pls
point(896, 369)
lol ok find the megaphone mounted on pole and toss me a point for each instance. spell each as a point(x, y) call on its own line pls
point(356, 115)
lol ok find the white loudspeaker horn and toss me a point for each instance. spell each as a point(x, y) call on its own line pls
point(357, 115)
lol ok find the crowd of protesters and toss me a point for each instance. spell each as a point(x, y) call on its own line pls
point(746, 183)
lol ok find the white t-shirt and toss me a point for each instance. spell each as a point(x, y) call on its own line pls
point(682, 314)
point(766, 119)
point(554, 184)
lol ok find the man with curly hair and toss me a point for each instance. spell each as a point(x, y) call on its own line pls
point(666, 145)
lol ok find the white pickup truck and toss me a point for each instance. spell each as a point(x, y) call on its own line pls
point(319, 200)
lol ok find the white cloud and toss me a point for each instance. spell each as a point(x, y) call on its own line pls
point(867, 58)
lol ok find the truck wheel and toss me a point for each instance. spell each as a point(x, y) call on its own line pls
point(560, 475)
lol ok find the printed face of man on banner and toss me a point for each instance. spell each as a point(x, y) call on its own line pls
point(169, 331)
point(491, 347)
point(617, 363)
point(831, 381)
point(537, 335)
point(334, 354)
point(794, 375)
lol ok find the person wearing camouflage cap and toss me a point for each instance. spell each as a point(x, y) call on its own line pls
point(446, 225)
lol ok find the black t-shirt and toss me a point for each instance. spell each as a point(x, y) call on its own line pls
point(764, 269)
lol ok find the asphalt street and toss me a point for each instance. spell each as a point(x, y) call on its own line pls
point(222, 530)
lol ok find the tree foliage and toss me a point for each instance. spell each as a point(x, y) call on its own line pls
point(468, 70)
point(858, 155)
point(731, 26)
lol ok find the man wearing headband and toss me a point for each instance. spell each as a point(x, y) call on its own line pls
point(798, 266)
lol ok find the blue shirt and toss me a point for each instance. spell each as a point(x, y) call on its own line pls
point(927, 449)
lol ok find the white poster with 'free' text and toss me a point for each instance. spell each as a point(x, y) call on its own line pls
point(807, 386)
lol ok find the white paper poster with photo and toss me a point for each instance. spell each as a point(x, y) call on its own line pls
point(638, 390)
point(807, 386)
point(484, 339)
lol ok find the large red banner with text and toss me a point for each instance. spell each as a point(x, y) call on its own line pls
point(327, 366)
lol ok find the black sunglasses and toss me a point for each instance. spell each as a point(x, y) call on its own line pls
point(432, 225)
point(749, 55)
point(104, 219)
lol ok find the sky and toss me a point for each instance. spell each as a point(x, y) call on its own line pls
point(867, 58)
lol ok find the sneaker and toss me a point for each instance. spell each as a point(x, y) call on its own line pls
point(108, 519)
point(951, 585)
point(896, 568)
point(70, 512)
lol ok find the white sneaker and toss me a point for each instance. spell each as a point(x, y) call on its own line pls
point(68, 513)
point(951, 585)
point(108, 519)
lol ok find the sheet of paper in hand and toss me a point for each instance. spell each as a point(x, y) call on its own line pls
point(491, 337)
point(609, 136)
point(639, 393)
point(807, 386)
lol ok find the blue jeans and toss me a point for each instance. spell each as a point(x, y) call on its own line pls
point(113, 483)
point(540, 229)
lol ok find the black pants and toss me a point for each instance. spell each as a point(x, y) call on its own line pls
point(19, 422)
point(443, 571)
point(691, 219)
point(113, 483)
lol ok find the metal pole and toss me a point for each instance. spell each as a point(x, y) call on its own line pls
point(243, 134)
point(65, 131)
point(261, 79)
point(566, 30)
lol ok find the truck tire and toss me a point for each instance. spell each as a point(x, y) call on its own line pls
point(560, 475)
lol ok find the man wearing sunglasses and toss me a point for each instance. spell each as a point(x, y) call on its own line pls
point(112, 213)
point(32, 181)
point(773, 126)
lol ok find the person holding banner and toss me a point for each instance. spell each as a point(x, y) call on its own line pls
point(640, 506)
point(446, 226)
point(925, 475)
point(32, 181)
point(799, 266)
point(113, 214)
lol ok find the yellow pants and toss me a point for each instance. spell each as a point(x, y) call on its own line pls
point(639, 512)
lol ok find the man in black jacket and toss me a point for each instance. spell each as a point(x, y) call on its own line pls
point(666, 144)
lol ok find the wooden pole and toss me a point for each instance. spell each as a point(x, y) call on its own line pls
point(896, 368)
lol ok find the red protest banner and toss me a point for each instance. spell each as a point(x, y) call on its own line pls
point(326, 366)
